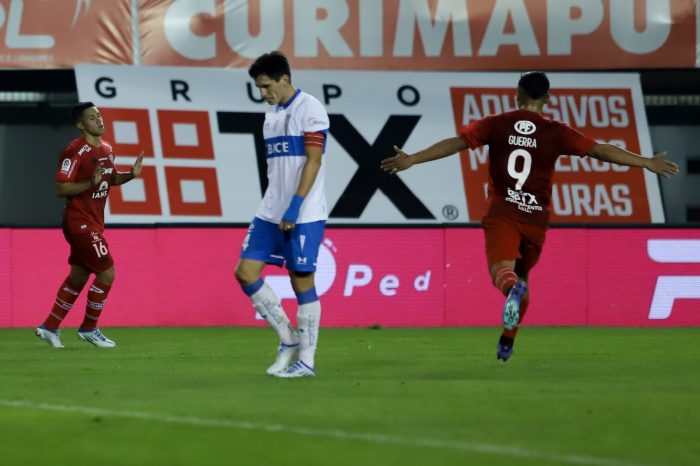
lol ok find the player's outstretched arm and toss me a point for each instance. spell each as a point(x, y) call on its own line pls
point(124, 177)
point(403, 161)
point(614, 154)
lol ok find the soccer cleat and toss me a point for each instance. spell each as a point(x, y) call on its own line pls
point(51, 337)
point(96, 338)
point(505, 348)
point(285, 355)
point(511, 309)
point(298, 369)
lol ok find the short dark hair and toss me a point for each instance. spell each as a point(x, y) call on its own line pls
point(535, 84)
point(273, 64)
point(76, 112)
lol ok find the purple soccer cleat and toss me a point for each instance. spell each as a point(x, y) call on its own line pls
point(505, 348)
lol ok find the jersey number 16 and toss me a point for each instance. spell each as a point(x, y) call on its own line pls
point(100, 249)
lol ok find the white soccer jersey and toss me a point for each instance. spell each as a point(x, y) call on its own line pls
point(283, 131)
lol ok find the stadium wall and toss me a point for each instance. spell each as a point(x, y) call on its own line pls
point(179, 276)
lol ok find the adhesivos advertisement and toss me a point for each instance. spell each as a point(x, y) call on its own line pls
point(391, 277)
point(201, 131)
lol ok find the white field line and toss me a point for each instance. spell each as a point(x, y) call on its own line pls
point(381, 439)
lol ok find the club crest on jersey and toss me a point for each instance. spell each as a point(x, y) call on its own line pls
point(525, 127)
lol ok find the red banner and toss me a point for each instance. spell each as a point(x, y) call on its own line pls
point(353, 34)
point(59, 34)
point(423, 34)
point(391, 277)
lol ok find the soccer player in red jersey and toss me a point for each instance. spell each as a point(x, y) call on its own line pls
point(523, 148)
point(85, 173)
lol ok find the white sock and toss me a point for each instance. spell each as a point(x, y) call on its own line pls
point(268, 306)
point(308, 318)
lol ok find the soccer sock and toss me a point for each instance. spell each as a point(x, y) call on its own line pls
point(308, 318)
point(504, 278)
point(97, 295)
point(523, 309)
point(66, 296)
point(268, 306)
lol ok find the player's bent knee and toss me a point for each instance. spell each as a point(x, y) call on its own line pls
point(106, 277)
point(301, 281)
point(245, 276)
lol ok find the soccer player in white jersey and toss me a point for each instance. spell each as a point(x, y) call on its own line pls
point(288, 226)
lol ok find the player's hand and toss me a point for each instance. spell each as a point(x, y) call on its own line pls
point(286, 226)
point(659, 165)
point(97, 174)
point(400, 162)
point(136, 167)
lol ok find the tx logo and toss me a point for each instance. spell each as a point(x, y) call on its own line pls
point(671, 287)
point(367, 179)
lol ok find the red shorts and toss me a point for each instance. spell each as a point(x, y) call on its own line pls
point(88, 248)
point(510, 240)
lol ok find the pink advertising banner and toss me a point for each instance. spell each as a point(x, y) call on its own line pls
point(392, 277)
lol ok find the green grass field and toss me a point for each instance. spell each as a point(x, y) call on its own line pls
point(200, 396)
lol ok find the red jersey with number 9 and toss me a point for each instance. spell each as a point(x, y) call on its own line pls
point(523, 149)
point(78, 162)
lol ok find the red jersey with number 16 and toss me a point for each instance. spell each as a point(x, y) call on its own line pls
point(78, 162)
point(523, 148)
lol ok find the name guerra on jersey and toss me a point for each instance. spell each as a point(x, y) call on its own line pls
point(522, 141)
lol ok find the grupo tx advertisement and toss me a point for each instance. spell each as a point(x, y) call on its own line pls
point(391, 277)
point(353, 34)
point(205, 159)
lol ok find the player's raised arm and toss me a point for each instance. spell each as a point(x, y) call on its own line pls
point(403, 161)
point(614, 154)
point(124, 177)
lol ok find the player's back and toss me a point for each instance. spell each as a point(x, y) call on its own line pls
point(523, 150)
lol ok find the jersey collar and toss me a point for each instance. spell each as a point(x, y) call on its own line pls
point(289, 102)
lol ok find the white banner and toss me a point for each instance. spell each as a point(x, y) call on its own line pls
point(201, 129)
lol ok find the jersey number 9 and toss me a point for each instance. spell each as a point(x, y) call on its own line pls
point(520, 176)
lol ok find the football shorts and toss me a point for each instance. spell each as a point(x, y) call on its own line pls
point(88, 248)
point(296, 249)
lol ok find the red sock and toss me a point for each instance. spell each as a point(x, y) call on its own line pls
point(523, 309)
point(504, 278)
point(66, 296)
point(95, 302)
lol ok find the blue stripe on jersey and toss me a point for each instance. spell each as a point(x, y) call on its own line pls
point(282, 146)
point(289, 102)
